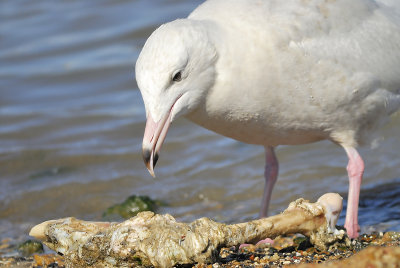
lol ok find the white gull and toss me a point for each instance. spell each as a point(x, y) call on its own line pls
point(274, 72)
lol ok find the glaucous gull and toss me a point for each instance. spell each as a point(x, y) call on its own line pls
point(274, 72)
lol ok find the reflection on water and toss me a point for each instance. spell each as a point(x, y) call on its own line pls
point(72, 120)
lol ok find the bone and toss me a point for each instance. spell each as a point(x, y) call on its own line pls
point(161, 241)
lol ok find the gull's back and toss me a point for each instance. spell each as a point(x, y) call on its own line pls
point(358, 33)
point(311, 63)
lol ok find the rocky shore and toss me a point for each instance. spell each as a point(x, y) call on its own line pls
point(380, 249)
point(369, 250)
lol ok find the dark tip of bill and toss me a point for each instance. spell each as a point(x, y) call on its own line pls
point(155, 160)
point(146, 156)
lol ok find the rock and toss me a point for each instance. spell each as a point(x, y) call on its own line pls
point(48, 260)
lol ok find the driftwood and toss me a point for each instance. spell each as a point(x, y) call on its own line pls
point(151, 239)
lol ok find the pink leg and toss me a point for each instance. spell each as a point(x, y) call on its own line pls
point(270, 174)
point(355, 170)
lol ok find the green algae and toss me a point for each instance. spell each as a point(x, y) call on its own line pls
point(30, 247)
point(132, 206)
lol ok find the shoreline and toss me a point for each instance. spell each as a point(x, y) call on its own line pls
point(295, 250)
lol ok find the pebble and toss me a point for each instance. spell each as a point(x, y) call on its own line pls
point(274, 257)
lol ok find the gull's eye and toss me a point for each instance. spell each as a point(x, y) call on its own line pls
point(177, 77)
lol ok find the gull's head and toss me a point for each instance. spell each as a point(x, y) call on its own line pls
point(174, 72)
